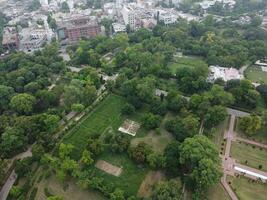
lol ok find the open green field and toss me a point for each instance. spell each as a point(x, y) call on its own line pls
point(157, 141)
point(71, 192)
point(260, 136)
point(218, 137)
point(217, 192)
point(131, 176)
point(255, 157)
point(255, 74)
point(246, 190)
point(185, 62)
point(106, 116)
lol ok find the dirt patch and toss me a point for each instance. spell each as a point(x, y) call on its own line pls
point(152, 178)
point(108, 168)
point(129, 127)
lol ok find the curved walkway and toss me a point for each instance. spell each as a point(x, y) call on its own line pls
point(13, 176)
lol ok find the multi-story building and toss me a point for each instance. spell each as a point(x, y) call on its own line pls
point(167, 18)
point(129, 16)
point(32, 39)
point(76, 28)
point(118, 28)
point(10, 39)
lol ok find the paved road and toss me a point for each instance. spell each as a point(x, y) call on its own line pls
point(228, 188)
point(8, 185)
point(243, 69)
point(227, 162)
point(237, 113)
point(229, 135)
point(13, 176)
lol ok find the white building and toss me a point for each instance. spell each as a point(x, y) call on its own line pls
point(43, 3)
point(167, 18)
point(118, 28)
point(32, 39)
point(128, 14)
point(224, 73)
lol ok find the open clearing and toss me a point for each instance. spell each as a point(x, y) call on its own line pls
point(246, 190)
point(108, 168)
point(131, 177)
point(260, 136)
point(106, 115)
point(217, 192)
point(185, 62)
point(157, 141)
point(72, 192)
point(152, 178)
point(255, 74)
point(255, 157)
point(218, 137)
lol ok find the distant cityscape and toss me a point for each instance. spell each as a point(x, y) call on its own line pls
point(71, 20)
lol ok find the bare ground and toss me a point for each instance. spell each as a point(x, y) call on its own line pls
point(152, 178)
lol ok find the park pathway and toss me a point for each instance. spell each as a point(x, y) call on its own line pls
point(8, 185)
point(251, 142)
point(230, 167)
point(13, 176)
point(227, 162)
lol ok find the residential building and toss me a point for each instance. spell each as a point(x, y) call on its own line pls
point(167, 18)
point(32, 39)
point(10, 39)
point(129, 17)
point(224, 73)
point(118, 28)
point(75, 28)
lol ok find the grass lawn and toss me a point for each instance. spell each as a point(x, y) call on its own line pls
point(157, 141)
point(218, 137)
point(255, 74)
point(131, 176)
point(255, 157)
point(185, 62)
point(71, 192)
point(260, 136)
point(106, 116)
point(217, 192)
point(247, 190)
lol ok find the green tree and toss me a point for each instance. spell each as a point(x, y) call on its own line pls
point(200, 160)
point(206, 175)
point(95, 146)
point(214, 116)
point(55, 198)
point(86, 158)
point(140, 152)
point(3, 166)
point(6, 94)
point(170, 190)
point(65, 7)
point(151, 121)
point(128, 109)
point(156, 161)
point(118, 194)
point(172, 155)
point(12, 141)
point(77, 107)
point(23, 103)
point(250, 124)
